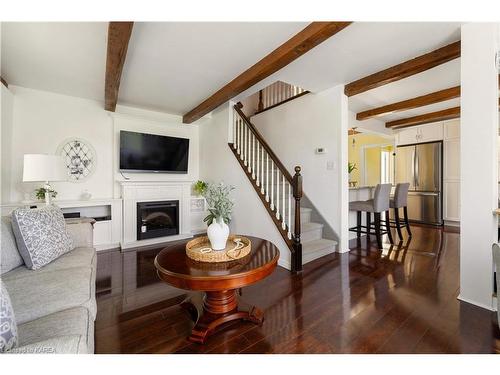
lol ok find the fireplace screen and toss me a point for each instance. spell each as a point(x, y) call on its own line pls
point(157, 219)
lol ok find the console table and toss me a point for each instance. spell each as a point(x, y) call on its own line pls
point(219, 281)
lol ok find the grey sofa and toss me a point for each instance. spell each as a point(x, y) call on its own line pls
point(55, 306)
point(496, 260)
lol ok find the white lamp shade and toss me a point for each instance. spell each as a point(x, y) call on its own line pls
point(41, 167)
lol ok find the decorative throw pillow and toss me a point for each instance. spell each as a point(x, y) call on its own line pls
point(9, 255)
point(41, 235)
point(8, 326)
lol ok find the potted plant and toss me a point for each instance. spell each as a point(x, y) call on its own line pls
point(220, 206)
point(40, 193)
point(199, 187)
point(351, 167)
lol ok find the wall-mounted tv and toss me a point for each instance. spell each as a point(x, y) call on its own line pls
point(153, 153)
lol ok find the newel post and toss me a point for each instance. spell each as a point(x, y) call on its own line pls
point(261, 102)
point(297, 246)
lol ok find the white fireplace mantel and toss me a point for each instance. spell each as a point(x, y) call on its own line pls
point(135, 192)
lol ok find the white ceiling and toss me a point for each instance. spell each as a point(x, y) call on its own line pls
point(174, 66)
point(66, 58)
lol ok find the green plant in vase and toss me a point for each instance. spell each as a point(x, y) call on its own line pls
point(351, 167)
point(40, 193)
point(220, 206)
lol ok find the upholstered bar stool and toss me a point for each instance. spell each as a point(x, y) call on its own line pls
point(400, 200)
point(377, 205)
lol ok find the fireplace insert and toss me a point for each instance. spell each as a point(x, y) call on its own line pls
point(157, 219)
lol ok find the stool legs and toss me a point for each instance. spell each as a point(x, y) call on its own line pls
point(407, 223)
point(358, 233)
point(388, 227)
point(398, 223)
point(377, 229)
point(368, 225)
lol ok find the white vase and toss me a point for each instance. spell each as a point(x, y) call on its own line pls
point(217, 233)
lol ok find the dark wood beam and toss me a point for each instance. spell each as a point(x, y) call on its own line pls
point(408, 68)
point(445, 114)
point(314, 34)
point(118, 38)
point(4, 82)
point(420, 101)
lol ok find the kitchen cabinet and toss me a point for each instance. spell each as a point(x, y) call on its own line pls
point(420, 134)
point(451, 200)
point(451, 171)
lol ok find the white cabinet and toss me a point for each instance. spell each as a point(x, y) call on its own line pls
point(452, 159)
point(103, 233)
point(451, 171)
point(451, 200)
point(421, 134)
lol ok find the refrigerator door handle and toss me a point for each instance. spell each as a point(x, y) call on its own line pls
point(417, 165)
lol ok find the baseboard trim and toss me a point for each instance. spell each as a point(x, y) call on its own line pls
point(489, 308)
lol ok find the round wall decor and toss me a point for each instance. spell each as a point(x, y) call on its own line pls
point(80, 158)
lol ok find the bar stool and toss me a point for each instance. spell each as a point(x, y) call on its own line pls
point(400, 200)
point(377, 205)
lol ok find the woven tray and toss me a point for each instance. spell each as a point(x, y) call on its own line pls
point(199, 249)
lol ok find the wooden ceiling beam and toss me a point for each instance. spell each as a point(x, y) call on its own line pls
point(404, 105)
point(408, 68)
point(118, 37)
point(314, 34)
point(445, 114)
point(4, 82)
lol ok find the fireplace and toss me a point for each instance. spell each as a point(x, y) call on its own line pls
point(157, 219)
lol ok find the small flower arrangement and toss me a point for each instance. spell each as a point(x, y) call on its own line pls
point(219, 203)
point(40, 193)
point(199, 187)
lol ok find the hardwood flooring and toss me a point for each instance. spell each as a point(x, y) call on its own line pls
point(399, 300)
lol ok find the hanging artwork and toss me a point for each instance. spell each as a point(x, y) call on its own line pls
point(80, 158)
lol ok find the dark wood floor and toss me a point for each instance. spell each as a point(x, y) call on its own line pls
point(399, 300)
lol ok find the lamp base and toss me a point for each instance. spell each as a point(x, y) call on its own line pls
point(48, 190)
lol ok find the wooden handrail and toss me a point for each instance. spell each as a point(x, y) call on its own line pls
point(264, 144)
point(282, 102)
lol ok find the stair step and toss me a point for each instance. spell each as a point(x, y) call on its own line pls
point(316, 249)
point(310, 232)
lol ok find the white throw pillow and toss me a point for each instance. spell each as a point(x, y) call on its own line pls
point(41, 235)
point(8, 326)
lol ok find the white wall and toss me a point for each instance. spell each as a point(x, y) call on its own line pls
point(478, 156)
point(43, 120)
point(294, 130)
point(6, 118)
point(217, 163)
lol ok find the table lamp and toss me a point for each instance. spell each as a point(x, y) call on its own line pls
point(44, 168)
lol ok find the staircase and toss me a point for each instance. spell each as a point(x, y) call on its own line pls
point(280, 193)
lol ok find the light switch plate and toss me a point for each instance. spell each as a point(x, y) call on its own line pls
point(330, 165)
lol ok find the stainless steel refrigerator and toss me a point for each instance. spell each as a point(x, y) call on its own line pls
point(421, 165)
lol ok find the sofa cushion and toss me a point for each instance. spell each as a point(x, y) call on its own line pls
point(41, 235)
point(10, 257)
point(72, 322)
point(56, 345)
point(8, 326)
point(36, 294)
point(79, 257)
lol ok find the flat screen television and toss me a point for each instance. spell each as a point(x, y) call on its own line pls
point(153, 153)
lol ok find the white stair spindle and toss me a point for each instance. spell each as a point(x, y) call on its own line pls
point(289, 211)
point(240, 136)
point(277, 193)
point(272, 183)
point(246, 145)
point(283, 206)
point(267, 177)
point(252, 159)
point(262, 173)
point(257, 169)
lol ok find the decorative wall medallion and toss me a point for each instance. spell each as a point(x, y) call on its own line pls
point(80, 158)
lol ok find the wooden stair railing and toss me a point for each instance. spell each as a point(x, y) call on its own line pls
point(276, 94)
point(272, 182)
